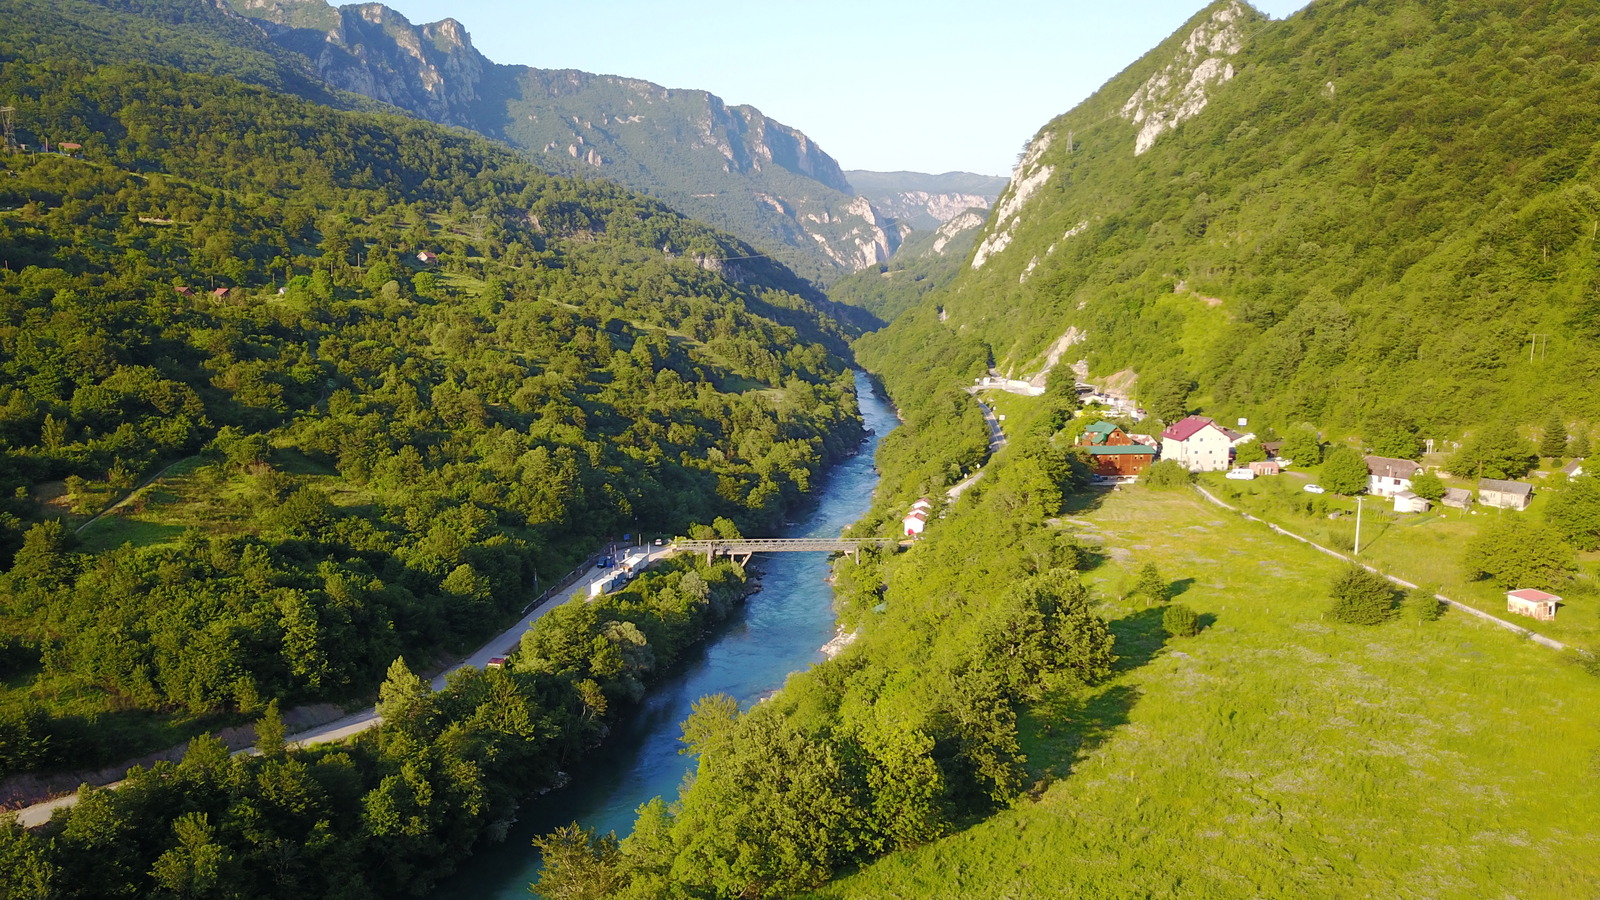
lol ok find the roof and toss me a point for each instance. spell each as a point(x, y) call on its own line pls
point(1505, 487)
point(1407, 495)
point(919, 515)
point(1388, 467)
point(1456, 495)
point(1187, 428)
point(1532, 595)
point(1572, 468)
point(1101, 427)
point(1123, 450)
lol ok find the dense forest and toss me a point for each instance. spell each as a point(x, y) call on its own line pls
point(1366, 222)
point(378, 453)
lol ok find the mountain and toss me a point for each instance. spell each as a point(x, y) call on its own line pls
point(729, 165)
point(926, 201)
point(1367, 212)
point(926, 262)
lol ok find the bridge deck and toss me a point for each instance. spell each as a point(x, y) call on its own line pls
point(747, 546)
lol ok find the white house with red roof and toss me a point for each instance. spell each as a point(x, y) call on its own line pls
point(1529, 602)
point(1199, 444)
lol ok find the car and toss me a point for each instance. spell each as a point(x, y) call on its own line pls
point(1314, 489)
point(1240, 475)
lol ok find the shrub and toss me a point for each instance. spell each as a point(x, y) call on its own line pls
point(1361, 597)
point(1428, 486)
point(1149, 584)
point(1180, 621)
point(1168, 473)
point(1422, 606)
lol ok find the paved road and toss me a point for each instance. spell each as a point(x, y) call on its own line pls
point(501, 645)
point(997, 442)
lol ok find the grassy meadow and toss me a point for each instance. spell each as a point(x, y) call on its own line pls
point(1424, 549)
point(1277, 754)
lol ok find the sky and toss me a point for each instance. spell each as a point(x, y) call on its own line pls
point(885, 85)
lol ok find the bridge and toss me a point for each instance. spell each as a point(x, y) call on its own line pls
point(748, 546)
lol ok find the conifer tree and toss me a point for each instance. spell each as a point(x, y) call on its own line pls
point(1554, 442)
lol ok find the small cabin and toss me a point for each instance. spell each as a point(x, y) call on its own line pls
point(915, 522)
point(1409, 502)
point(1266, 467)
point(496, 662)
point(427, 257)
point(1529, 602)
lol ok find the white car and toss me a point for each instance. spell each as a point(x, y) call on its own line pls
point(1240, 475)
point(1315, 489)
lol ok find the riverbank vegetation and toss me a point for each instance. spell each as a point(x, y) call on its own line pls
point(396, 808)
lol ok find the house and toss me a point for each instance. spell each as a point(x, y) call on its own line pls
point(496, 662)
point(915, 522)
point(220, 293)
point(1104, 434)
point(1458, 498)
point(1408, 502)
point(1529, 602)
point(1387, 477)
point(184, 291)
point(1124, 461)
point(427, 257)
point(1266, 467)
point(1273, 449)
point(1154, 443)
point(1504, 494)
point(1573, 469)
point(1198, 444)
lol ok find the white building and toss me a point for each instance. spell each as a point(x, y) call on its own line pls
point(1387, 477)
point(1199, 444)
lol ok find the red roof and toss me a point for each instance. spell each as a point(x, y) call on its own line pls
point(220, 292)
point(1187, 428)
point(1532, 596)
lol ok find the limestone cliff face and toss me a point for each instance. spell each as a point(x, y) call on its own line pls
point(1179, 90)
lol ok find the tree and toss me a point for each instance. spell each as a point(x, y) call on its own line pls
point(578, 864)
point(1428, 486)
point(1574, 512)
point(1513, 552)
point(1579, 447)
point(1495, 452)
point(1553, 443)
point(1361, 597)
point(1180, 621)
point(1249, 452)
point(1167, 398)
point(1421, 605)
point(1344, 472)
point(1166, 474)
point(271, 732)
point(1302, 446)
point(1149, 584)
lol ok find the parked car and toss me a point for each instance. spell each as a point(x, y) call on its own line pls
point(1240, 475)
point(1315, 489)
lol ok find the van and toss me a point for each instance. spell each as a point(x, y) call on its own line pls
point(1241, 475)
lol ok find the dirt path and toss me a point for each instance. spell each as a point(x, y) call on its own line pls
point(131, 495)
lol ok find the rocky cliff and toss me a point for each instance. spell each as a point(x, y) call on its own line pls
point(926, 201)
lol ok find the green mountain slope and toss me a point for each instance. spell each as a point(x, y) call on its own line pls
point(728, 165)
point(377, 455)
point(1366, 210)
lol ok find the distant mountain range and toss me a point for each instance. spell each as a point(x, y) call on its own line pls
point(732, 166)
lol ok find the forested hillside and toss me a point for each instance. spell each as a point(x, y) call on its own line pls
point(378, 453)
point(1368, 211)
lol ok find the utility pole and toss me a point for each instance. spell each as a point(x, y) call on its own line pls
point(1358, 526)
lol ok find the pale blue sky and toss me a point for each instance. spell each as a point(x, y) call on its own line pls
point(927, 86)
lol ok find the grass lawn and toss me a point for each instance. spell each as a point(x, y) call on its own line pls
point(1280, 755)
point(1423, 549)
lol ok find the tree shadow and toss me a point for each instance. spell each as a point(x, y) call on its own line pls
point(1066, 726)
point(1140, 638)
point(1179, 587)
point(1087, 500)
point(1204, 621)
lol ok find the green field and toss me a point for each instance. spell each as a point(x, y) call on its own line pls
point(1279, 755)
point(1423, 549)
